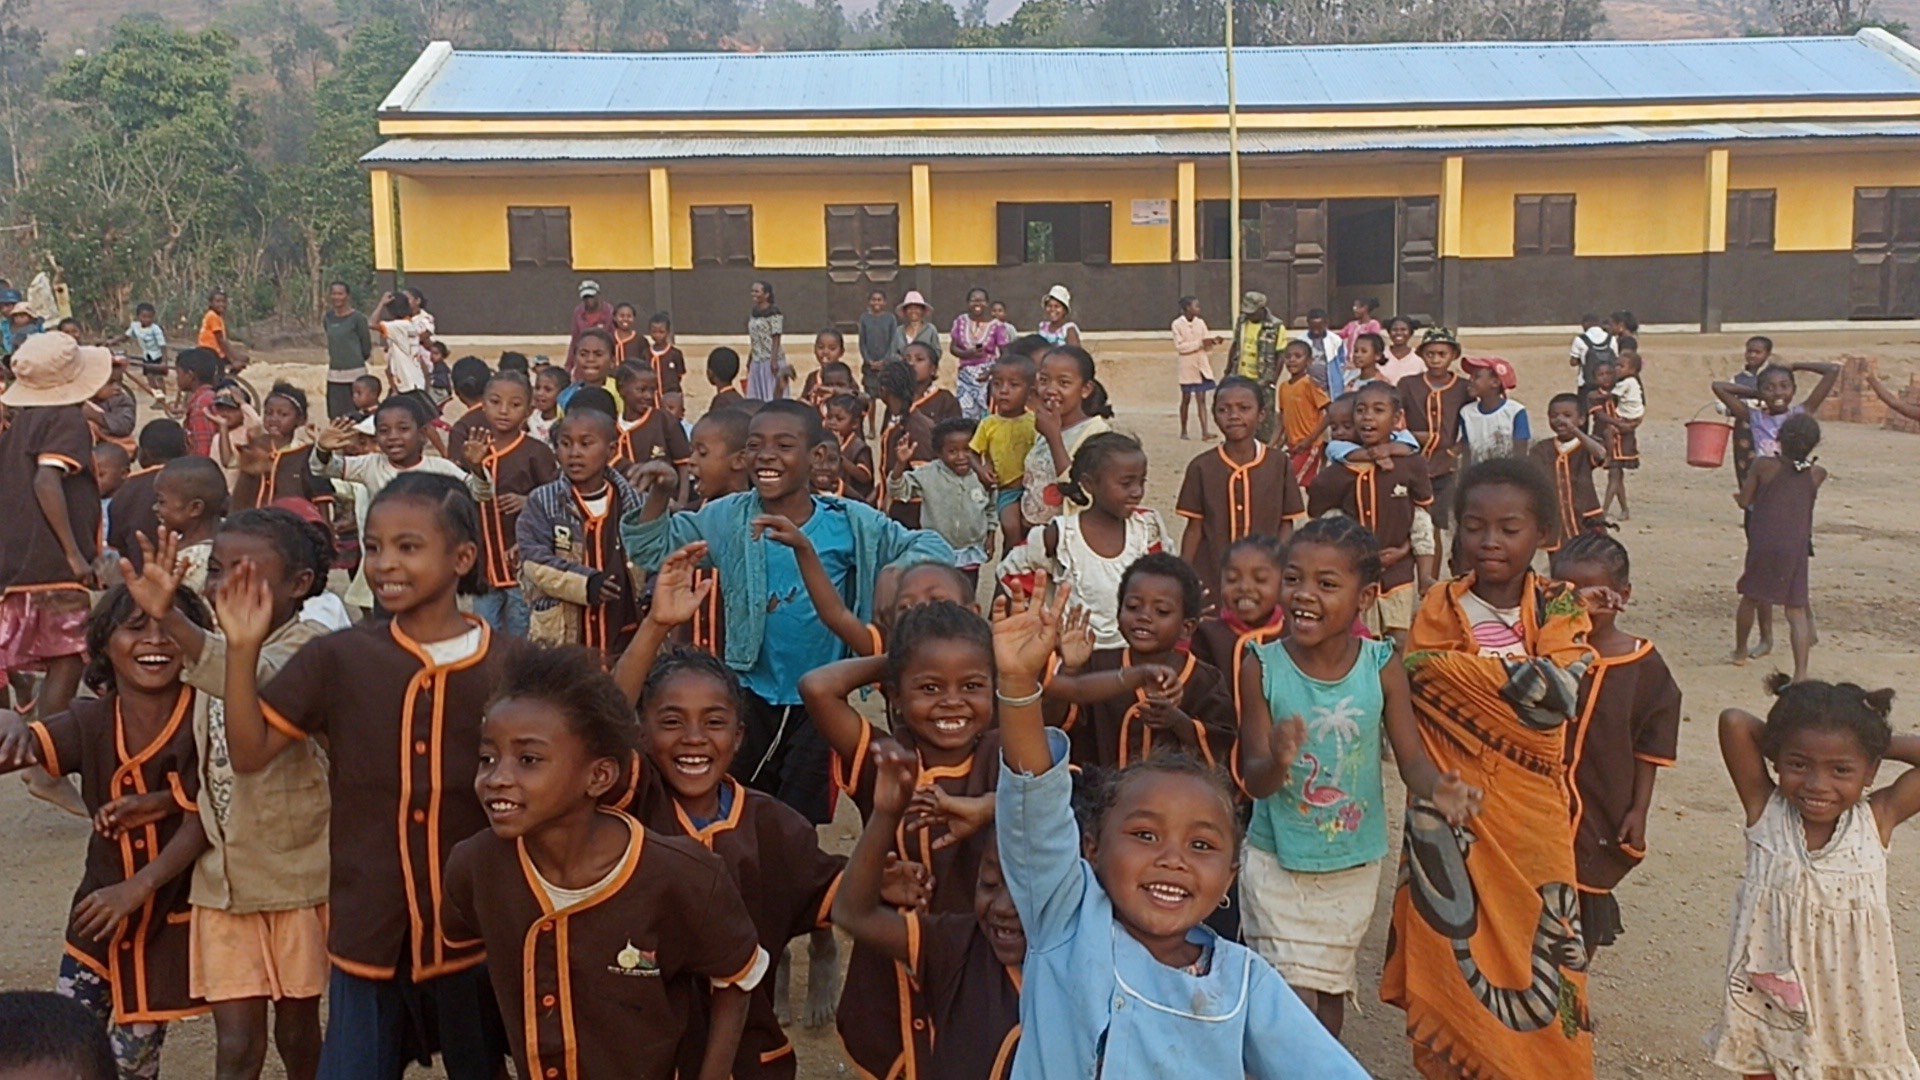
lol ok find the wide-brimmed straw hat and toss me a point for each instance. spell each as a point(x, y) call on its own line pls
point(913, 297)
point(53, 369)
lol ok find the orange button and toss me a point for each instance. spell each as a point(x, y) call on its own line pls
point(419, 817)
point(919, 1025)
point(553, 1072)
point(547, 1001)
point(126, 944)
point(420, 746)
point(139, 845)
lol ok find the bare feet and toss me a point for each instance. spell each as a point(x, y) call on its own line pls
point(782, 991)
point(1739, 657)
point(57, 790)
point(1183, 435)
point(1764, 648)
point(823, 978)
point(1208, 436)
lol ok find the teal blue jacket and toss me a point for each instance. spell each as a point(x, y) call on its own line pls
point(726, 525)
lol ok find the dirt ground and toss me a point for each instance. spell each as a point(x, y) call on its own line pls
point(1656, 993)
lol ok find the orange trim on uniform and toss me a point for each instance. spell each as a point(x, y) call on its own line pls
point(849, 780)
point(1366, 497)
point(49, 757)
point(1240, 490)
point(493, 527)
point(180, 795)
point(1658, 762)
point(1598, 671)
point(785, 1051)
point(362, 971)
point(1436, 413)
point(824, 917)
point(279, 722)
point(1140, 701)
point(705, 834)
point(72, 465)
point(740, 976)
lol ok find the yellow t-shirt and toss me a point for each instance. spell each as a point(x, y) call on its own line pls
point(1005, 441)
point(211, 326)
point(1302, 404)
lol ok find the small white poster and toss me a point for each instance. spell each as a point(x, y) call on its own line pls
point(1153, 211)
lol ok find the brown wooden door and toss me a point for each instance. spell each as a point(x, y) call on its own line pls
point(1293, 237)
point(863, 254)
point(1417, 270)
point(1885, 282)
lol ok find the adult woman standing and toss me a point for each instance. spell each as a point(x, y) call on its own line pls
point(914, 326)
point(978, 338)
point(349, 344)
point(767, 369)
point(1058, 327)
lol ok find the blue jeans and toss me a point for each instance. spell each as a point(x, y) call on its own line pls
point(505, 610)
point(373, 1026)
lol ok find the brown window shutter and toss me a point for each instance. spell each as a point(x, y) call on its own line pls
point(1010, 233)
point(843, 236)
point(1096, 233)
point(526, 242)
point(708, 243)
point(1556, 225)
point(1738, 208)
point(557, 228)
point(737, 235)
point(1760, 217)
point(1527, 225)
point(880, 234)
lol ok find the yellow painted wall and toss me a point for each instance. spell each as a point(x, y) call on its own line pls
point(790, 211)
point(1622, 206)
point(1813, 210)
point(966, 223)
point(1317, 180)
point(455, 223)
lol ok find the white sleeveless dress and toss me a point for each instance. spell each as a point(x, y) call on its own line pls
point(1813, 989)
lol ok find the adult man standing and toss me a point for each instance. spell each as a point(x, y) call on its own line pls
point(1256, 353)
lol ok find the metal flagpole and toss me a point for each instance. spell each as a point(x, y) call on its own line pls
point(1233, 174)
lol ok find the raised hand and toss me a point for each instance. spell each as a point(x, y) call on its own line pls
point(1600, 598)
point(676, 599)
point(906, 884)
point(962, 815)
point(158, 579)
point(244, 606)
point(336, 436)
point(477, 447)
point(1076, 637)
point(780, 530)
point(654, 474)
point(18, 746)
point(1025, 631)
point(895, 771)
point(1286, 740)
point(1160, 682)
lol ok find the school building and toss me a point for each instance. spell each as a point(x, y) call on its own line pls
point(1698, 183)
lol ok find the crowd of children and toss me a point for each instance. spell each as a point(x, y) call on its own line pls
point(540, 782)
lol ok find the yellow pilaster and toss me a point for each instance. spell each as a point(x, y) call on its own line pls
point(1188, 218)
point(922, 215)
point(1716, 216)
point(660, 217)
point(381, 196)
point(1453, 179)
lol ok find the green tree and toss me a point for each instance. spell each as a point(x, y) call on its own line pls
point(923, 24)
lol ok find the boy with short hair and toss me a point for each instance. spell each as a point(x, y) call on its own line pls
point(130, 513)
point(723, 367)
point(1329, 353)
point(1495, 425)
point(1383, 501)
point(463, 416)
point(213, 328)
point(196, 373)
point(571, 561)
point(150, 340)
point(718, 468)
point(954, 501)
point(877, 325)
point(772, 627)
point(1757, 355)
point(592, 359)
point(505, 466)
point(366, 397)
point(190, 499)
point(49, 522)
point(668, 362)
point(1570, 458)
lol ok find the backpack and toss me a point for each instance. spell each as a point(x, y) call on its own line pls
point(1590, 363)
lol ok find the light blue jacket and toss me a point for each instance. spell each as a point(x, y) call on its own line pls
point(726, 524)
point(1096, 1002)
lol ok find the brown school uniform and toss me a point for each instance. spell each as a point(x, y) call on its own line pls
point(854, 451)
point(773, 855)
point(708, 631)
point(1623, 446)
point(1433, 416)
point(1576, 501)
point(605, 987)
point(726, 398)
point(880, 1036)
point(1231, 501)
point(513, 469)
point(130, 514)
point(1382, 501)
point(606, 627)
point(287, 477)
point(937, 405)
point(404, 738)
point(973, 1000)
point(669, 367)
point(473, 420)
point(1113, 733)
point(145, 960)
point(30, 556)
point(656, 436)
point(1629, 713)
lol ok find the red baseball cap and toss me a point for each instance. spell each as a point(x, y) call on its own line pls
point(1503, 369)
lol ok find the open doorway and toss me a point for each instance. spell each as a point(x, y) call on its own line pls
point(1361, 245)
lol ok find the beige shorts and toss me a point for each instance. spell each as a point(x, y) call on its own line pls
point(1394, 610)
point(269, 954)
point(1422, 535)
point(1308, 926)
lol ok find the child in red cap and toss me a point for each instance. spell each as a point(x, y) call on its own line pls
point(1493, 425)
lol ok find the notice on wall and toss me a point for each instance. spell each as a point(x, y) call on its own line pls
point(1153, 211)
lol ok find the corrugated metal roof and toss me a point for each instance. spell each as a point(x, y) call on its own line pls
point(404, 152)
point(453, 83)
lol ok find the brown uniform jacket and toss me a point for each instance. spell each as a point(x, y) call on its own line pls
point(1229, 501)
point(880, 1036)
point(513, 469)
point(604, 988)
point(656, 436)
point(1113, 733)
point(130, 513)
point(973, 1000)
point(855, 450)
point(30, 556)
point(145, 960)
point(287, 477)
point(404, 738)
point(1576, 501)
point(773, 855)
point(1629, 713)
point(1433, 415)
point(1380, 500)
